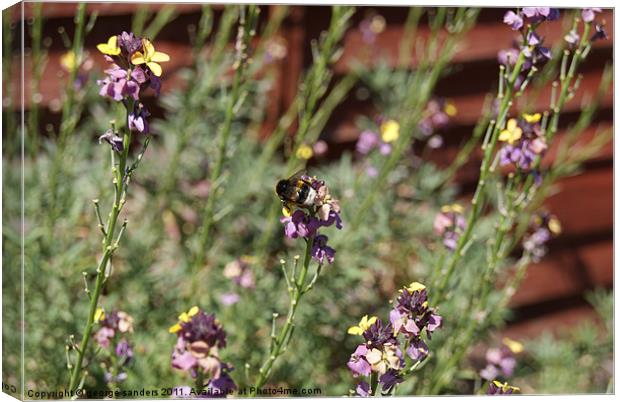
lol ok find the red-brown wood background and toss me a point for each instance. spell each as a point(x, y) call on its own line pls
point(579, 260)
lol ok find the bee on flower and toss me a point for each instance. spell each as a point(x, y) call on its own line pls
point(307, 207)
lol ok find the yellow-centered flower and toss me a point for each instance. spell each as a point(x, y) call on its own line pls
point(554, 226)
point(150, 57)
point(390, 130)
point(99, 314)
point(450, 109)
point(364, 324)
point(111, 48)
point(512, 133)
point(68, 60)
point(514, 346)
point(532, 118)
point(304, 152)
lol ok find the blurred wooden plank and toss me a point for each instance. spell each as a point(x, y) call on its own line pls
point(470, 106)
point(67, 10)
point(556, 323)
point(584, 203)
point(567, 273)
point(480, 43)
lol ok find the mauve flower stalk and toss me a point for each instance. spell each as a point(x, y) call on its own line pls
point(126, 78)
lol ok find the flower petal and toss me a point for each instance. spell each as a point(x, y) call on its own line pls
point(160, 57)
point(155, 68)
point(138, 58)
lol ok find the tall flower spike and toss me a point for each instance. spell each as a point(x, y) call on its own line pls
point(150, 57)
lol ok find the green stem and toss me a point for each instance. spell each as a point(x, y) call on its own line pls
point(109, 246)
point(243, 41)
point(480, 194)
point(298, 290)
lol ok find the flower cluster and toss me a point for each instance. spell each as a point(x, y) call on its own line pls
point(523, 142)
point(543, 228)
point(381, 140)
point(501, 361)
point(450, 224)
point(588, 15)
point(381, 353)
point(134, 67)
point(530, 15)
point(370, 27)
point(436, 117)
point(240, 273)
point(199, 339)
point(526, 20)
point(498, 388)
point(306, 222)
point(112, 335)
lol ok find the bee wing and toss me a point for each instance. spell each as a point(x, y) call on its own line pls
point(298, 175)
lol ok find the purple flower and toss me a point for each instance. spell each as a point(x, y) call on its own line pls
point(378, 335)
point(121, 83)
point(588, 14)
point(367, 141)
point(103, 336)
point(417, 350)
point(543, 228)
point(136, 120)
point(124, 351)
point(572, 37)
point(390, 379)
point(300, 225)
point(499, 361)
point(514, 20)
point(537, 14)
point(363, 389)
point(114, 140)
point(450, 224)
point(229, 298)
point(321, 251)
point(508, 57)
point(129, 43)
point(358, 363)
point(222, 385)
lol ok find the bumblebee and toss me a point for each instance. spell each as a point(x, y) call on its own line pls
point(296, 190)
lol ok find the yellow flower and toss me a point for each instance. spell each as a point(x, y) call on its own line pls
point(304, 152)
point(150, 57)
point(514, 346)
point(390, 130)
point(99, 315)
point(554, 226)
point(414, 286)
point(532, 118)
point(450, 109)
point(505, 387)
point(364, 324)
point(175, 328)
point(68, 61)
point(111, 48)
point(185, 317)
point(456, 208)
point(512, 133)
